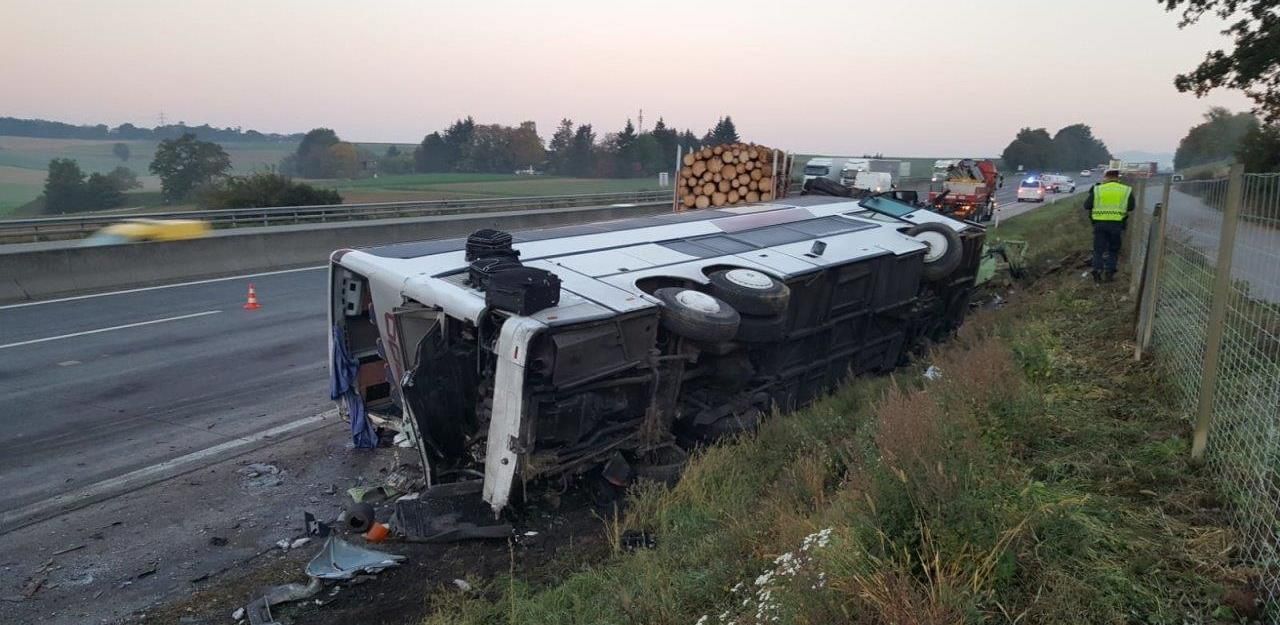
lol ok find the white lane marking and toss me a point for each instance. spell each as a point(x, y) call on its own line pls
point(99, 330)
point(162, 286)
point(68, 363)
point(118, 485)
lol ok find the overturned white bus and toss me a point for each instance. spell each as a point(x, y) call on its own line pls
point(553, 352)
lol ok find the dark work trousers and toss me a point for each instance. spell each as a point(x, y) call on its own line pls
point(1107, 236)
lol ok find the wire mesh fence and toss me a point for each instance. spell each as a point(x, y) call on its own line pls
point(1213, 320)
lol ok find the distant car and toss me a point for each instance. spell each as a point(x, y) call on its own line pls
point(1031, 190)
point(1056, 183)
point(1085, 173)
point(528, 171)
point(1177, 177)
point(874, 181)
point(142, 230)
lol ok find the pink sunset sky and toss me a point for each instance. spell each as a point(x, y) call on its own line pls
point(901, 77)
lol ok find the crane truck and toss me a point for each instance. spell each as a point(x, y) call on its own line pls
point(968, 190)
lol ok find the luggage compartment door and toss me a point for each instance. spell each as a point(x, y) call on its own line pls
point(409, 326)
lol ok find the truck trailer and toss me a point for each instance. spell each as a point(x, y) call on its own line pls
point(511, 358)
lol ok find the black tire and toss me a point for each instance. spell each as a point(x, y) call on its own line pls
point(750, 292)
point(758, 329)
point(731, 425)
point(824, 186)
point(360, 517)
point(696, 315)
point(938, 264)
point(663, 465)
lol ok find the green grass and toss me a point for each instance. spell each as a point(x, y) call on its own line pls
point(1051, 232)
point(441, 186)
point(1042, 479)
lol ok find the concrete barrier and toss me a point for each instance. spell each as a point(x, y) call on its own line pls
point(46, 273)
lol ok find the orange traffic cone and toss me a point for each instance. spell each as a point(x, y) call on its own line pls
point(252, 303)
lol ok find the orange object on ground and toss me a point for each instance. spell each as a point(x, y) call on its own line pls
point(252, 303)
point(377, 532)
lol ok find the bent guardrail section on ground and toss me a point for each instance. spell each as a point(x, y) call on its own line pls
point(53, 228)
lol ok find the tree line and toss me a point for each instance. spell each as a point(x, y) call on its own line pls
point(1071, 148)
point(466, 146)
point(192, 169)
point(1251, 65)
point(1224, 135)
point(45, 129)
point(576, 150)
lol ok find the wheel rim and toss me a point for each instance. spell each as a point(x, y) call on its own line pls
point(936, 244)
point(749, 278)
point(698, 301)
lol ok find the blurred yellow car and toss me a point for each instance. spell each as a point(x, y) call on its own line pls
point(139, 230)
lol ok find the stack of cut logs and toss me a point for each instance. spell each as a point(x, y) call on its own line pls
point(735, 173)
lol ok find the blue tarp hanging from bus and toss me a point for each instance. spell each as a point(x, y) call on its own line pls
point(342, 384)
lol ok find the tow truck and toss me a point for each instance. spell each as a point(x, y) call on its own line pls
point(968, 190)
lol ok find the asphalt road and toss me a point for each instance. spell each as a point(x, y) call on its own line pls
point(1007, 203)
point(100, 386)
point(1257, 247)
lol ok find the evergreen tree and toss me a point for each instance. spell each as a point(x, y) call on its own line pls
point(581, 152)
point(560, 148)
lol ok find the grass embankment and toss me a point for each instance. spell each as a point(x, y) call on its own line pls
point(1040, 480)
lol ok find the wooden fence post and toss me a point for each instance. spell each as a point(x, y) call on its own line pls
point(1136, 255)
point(1217, 312)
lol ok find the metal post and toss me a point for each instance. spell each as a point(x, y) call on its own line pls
point(1218, 311)
point(1151, 297)
point(679, 181)
point(773, 178)
point(1136, 256)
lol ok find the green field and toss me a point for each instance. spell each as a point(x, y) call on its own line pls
point(449, 186)
point(24, 160)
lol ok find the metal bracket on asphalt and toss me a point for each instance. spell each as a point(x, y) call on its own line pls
point(58, 505)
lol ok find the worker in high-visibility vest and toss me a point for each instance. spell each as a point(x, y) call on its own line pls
point(1108, 203)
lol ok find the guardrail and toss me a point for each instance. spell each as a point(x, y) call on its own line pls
point(54, 271)
point(56, 228)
